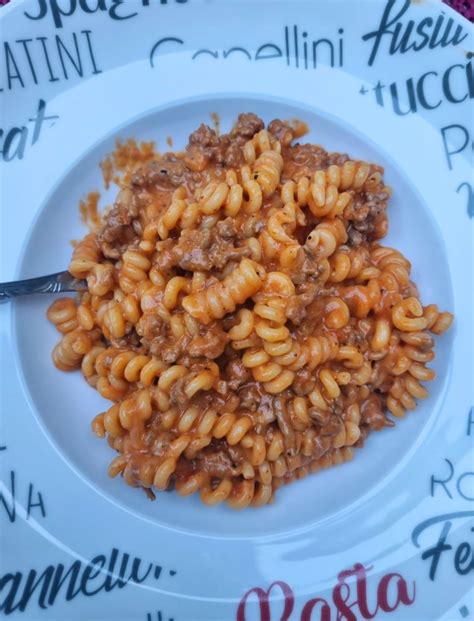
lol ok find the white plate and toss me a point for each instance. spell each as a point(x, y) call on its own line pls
point(160, 73)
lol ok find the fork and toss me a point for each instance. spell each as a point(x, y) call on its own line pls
point(54, 283)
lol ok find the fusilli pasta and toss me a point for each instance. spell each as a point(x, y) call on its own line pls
point(242, 316)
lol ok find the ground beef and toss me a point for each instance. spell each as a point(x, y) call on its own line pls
point(130, 341)
point(319, 417)
point(222, 251)
point(204, 146)
point(200, 250)
point(237, 374)
point(167, 173)
point(372, 412)
point(153, 333)
point(354, 237)
point(150, 326)
point(210, 344)
point(247, 126)
point(304, 382)
point(337, 159)
point(172, 349)
point(280, 408)
point(207, 147)
point(233, 157)
point(162, 443)
point(368, 220)
point(226, 228)
point(331, 427)
point(119, 229)
point(303, 160)
point(205, 137)
point(251, 226)
point(117, 219)
point(217, 463)
point(296, 308)
point(282, 131)
point(307, 270)
point(177, 393)
point(189, 252)
point(250, 397)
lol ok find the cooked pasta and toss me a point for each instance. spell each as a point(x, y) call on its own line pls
point(243, 318)
point(223, 297)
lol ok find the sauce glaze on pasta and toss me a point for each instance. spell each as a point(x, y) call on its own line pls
point(242, 316)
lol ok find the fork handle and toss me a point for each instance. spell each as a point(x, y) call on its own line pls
point(54, 283)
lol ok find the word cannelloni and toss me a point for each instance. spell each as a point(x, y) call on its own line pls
point(242, 316)
point(53, 584)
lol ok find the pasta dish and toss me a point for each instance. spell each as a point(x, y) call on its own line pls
point(242, 316)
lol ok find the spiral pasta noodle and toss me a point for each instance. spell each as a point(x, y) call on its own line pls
point(261, 142)
point(267, 171)
point(242, 317)
point(223, 297)
point(85, 257)
point(117, 316)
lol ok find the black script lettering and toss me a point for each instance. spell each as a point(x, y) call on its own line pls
point(447, 85)
point(10, 509)
point(462, 484)
point(470, 417)
point(443, 482)
point(113, 12)
point(61, 578)
point(455, 139)
point(464, 559)
point(25, 42)
point(43, 10)
point(32, 505)
point(91, 51)
point(470, 213)
point(13, 73)
point(267, 51)
point(384, 27)
point(52, 77)
point(411, 98)
point(161, 42)
point(420, 91)
point(91, 572)
point(39, 119)
point(75, 62)
point(411, 36)
point(45, 586)
point(100, 5)
point(434, 553)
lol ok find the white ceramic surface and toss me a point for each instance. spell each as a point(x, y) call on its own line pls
point(159, 73)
